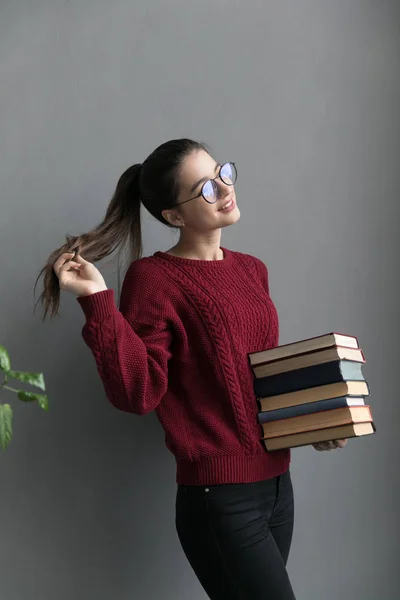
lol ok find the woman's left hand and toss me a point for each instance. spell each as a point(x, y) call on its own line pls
point(330, 445)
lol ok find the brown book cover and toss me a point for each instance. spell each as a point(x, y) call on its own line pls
point(314, 343)
point(320, 392)
point(314, 357)
point(307, 438)
point(319, 420)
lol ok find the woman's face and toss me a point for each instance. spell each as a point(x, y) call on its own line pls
point(198, 214)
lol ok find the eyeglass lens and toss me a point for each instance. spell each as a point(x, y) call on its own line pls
point(228, 175)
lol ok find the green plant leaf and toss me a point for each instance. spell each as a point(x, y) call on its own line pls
point(5, 365)
point(5, 425)
point(41, 399)
point(35, 379)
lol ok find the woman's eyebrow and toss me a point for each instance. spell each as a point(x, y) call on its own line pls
point(192, 189)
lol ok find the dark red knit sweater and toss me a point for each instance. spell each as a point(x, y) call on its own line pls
point(178, 345)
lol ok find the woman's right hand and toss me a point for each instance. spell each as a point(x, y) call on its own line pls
point(78, 276)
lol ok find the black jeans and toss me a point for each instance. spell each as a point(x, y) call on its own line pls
point(237, 537)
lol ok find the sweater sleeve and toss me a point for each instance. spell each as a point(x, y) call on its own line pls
point(131, 345)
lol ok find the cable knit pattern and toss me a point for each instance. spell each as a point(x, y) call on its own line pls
point(178, 344)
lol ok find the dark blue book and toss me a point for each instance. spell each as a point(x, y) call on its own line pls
point(310, 407)
point(308, 377)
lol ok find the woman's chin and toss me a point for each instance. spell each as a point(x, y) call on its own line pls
point(231, 218)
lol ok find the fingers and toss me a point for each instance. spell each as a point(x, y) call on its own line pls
point(317, 447)
point(80, 259)
point(65, 263)
point(71, 265)
point(331, 445)
point(326, 446)
point(68, 266)
point(69, 257)
point(61, 260)
point(341, 443)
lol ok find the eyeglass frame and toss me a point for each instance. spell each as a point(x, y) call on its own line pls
point(212, 179)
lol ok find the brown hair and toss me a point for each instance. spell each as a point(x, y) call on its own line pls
point(153, 184)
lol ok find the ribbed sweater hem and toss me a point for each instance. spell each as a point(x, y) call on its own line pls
point(232, 469)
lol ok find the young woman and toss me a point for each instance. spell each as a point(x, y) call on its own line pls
point(178, 344)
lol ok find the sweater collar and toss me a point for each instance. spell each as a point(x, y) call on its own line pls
point(194, 262)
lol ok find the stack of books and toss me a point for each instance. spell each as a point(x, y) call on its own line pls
point(311, 391)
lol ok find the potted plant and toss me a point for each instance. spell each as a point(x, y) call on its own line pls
point(6, 414)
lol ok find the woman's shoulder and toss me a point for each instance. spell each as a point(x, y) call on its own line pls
point(146, 274)
point(256, 267)
point(146, 290)
point(249, 260)
point(144, 266)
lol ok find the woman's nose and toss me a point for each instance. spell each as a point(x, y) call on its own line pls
point(223, 188)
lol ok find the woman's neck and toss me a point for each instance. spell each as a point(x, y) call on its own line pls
point(198, 249)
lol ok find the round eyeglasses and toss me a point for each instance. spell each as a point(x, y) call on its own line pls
point(210, 190)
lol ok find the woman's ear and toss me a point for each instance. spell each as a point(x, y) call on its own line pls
point(173, 217)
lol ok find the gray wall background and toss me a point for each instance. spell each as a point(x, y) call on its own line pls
point(304, 95)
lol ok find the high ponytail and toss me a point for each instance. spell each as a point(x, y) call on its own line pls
point(120, 228)
point(155, 184)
